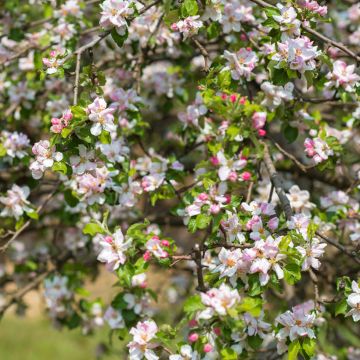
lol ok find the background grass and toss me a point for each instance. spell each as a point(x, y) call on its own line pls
point(36, 339)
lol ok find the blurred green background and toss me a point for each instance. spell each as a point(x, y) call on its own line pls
point(36, 339)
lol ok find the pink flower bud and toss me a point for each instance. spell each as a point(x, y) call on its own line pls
point(214, 160)
point(165, 243)
point(207, 348)
point(217, 331)
point(246, 176)
point(262, 132)
point(53, 53)
point(147, 255)
point(224, 96)
point(233, 98)
point(143, 285)
point(165, 255)
point(243, 37)
point(214, 209)
point(228, 198)
point(232, 176)
point(174, 27)
point(192, 323)
point(193, 337)
point(203, 196)
point(68, 115)
point(242, 100)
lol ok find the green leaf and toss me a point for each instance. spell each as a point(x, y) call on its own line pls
point(203, 221)
point(65, 132)
point(189, 8)
point(293, 351)
point(171, 17)
point(193, 304)
point(70, 198)
point(251, 305)
point(254, 285)
point(341, 307)
point(32, 214)
point(60, 167)
point(2, 150)
point(292, 273)
point(291, 133)
point(308, 346)
point(92, 229)
point(228, 354)
point(119, 39)
point(271, 11)
point(105, 137)
point(255, 341)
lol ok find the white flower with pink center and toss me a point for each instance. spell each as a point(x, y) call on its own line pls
point(115, 13)
point(298, 53)
point(84, 161)
point(188, 27)
point(353, 301)
point(154, 246)
point(234, 14)
point(300, 223)
point(141, 346)
point(15, 202)
point(218, 301)
point(113, 250)
point(317, 149)
point(241, 63)
point(343, 75)
point(229, 262)
point(313, 6)
point(265, 256)
point(297, 323)
point(276, 95)
point(228, 167)
point(101, 116)
point(114, 318)
point(45, 156)
point(311, 254)
point(15, 143)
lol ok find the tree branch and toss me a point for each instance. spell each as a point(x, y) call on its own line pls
point(277, 182)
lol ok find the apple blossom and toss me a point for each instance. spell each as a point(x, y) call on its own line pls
point(353, 300)
point(15, 202)
point(240, 63)
point(113, 250)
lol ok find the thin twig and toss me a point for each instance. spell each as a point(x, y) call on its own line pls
point(342, 248)
point(204, 53)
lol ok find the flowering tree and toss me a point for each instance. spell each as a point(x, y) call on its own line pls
point(216, 141)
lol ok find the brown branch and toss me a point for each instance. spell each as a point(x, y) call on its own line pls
point(342, 248)
point(77, 76)
point(277, 182)
point(249, 192)
point(204, 53)
point(18, 295)
point(197, 258)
